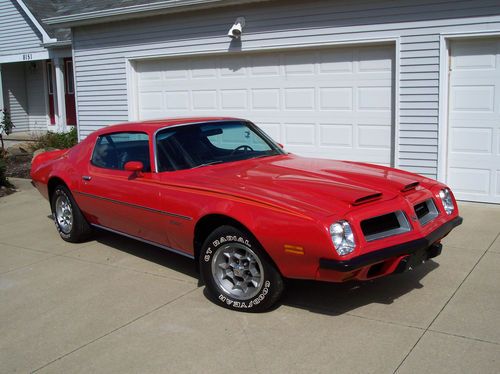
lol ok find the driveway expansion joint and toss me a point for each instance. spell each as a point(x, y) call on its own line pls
point(445, 304)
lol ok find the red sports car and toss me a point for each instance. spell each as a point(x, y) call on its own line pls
point(220, 191)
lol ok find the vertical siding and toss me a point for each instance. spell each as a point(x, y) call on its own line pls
point(418, 103)
point(17, 34)
point(37, 111)
point(15, 93)
point(100, 52)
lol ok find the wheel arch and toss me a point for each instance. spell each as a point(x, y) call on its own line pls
point(53, 183)
point(208, 223)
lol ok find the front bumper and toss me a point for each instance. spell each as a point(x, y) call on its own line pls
point(396, 251)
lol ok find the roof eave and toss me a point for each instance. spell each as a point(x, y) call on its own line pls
point(139, 11)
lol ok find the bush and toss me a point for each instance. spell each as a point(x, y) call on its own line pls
point(56, 140)
point(3, 179)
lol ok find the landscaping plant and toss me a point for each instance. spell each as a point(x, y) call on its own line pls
point(57, 140)
point(6, 127)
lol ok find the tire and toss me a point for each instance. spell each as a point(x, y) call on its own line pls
point(69, 220)
point(237, 272)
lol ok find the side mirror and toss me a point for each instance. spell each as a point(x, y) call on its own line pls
point(134, 166)
point(281, 145)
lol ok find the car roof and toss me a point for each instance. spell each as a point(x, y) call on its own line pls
point(153, 125)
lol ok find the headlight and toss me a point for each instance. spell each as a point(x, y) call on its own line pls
point(446, 200)
point(342, 237)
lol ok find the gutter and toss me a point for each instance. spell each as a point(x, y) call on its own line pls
point(57, 44)
point(143, 10)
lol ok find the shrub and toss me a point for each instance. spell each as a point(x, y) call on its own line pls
point(6, 127)
point(3, 179)
point(56, 140)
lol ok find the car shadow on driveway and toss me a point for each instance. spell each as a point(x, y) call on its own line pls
point(340, 298)
point(151, 253)
point(318, 297)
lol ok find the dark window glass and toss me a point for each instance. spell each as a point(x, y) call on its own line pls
point(69, 78)
point(49, 78)
point(190, 146)
point(112, 151)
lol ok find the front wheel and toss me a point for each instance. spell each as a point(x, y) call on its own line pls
point(237, 272)
point(69, 220)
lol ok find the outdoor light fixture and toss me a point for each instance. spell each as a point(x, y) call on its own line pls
point(236, 30)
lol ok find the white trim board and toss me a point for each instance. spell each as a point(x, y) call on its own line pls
point(25, 57)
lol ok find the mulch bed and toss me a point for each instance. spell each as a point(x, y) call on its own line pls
point(18, 166)
point(4, 191)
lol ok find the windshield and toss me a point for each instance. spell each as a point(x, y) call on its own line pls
point(196, 145)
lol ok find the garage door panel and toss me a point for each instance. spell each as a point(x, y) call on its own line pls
point(475, 54)
point(471, 140)
point(336, 135)
point(473, 98)
point(336, 98)
point(234, 99)
point(470, 181)
point(370, 136)
point(336, 61)
point(375, 59)
point(177, 100)
point(266, 99)
point(334, 103)
point(375, 98)
point(265, 65)
point(299, 98)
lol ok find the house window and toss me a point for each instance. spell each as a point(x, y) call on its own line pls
point(70, 83)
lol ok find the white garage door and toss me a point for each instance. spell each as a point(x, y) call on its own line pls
point(474, 120)
point(333, 103)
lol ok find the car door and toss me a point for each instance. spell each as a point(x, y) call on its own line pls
point(118, 199)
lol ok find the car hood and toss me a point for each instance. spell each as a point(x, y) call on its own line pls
point(303, 184)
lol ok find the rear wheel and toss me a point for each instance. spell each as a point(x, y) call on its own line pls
point(69, 220)
point(237, 272)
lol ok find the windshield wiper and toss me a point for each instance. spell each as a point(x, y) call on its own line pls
point(206, 164)
point(264, 155)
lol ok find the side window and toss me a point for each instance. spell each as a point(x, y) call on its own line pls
point(113, 151)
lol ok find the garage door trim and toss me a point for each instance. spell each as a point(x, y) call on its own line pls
point(444, 78)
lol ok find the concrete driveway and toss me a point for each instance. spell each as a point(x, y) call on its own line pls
point(116, 305)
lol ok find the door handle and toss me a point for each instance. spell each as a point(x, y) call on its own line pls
point(86, 178)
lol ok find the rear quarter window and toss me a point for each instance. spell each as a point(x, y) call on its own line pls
point(113, 151)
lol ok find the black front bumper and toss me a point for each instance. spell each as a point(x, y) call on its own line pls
point(402, 249)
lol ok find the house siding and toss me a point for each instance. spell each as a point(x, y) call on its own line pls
point(35, 87)
point(100, 53)
point(17, 99)
point(17, 33)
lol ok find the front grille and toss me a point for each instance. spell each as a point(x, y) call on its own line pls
point(426, 211)
point(385, 225)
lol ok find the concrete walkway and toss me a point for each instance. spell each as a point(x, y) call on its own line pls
point(114, 305)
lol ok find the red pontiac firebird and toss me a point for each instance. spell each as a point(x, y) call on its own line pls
point(220, 191)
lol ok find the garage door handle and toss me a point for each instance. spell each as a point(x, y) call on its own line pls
point(86, 177)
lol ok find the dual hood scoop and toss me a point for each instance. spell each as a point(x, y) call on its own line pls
point(410, 187)
point(367, 198)
point(376, 196)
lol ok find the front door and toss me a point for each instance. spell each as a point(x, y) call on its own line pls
point(69, 94)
